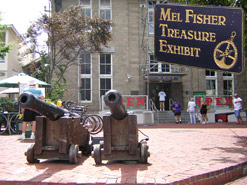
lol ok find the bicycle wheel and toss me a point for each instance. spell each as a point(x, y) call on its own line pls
point(94, 124)
point(98, 123)
point(3, 123)
point(89, 123)
point(15, 120)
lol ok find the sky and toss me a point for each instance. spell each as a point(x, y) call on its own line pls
point(21, 13)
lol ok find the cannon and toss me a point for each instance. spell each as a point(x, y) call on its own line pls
point(120, 134)
point(59, 133)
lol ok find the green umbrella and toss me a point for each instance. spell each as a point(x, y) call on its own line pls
point(23, 79)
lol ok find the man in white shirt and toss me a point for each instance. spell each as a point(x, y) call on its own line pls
point(237, 105)
point(162, 98)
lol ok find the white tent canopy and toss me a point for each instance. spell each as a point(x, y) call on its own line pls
point(10, 91)
point(22, 78)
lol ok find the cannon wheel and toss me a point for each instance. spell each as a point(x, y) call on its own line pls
point(30, 155)
point(97, 154)
point(74, 154)
point(144, 153)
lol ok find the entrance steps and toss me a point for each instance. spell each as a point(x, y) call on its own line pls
point(168, 117)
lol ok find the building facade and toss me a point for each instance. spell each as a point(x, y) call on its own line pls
point(9, 65)
point(128, 63)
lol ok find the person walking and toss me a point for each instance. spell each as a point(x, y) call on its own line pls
point(203, 111)
point(192, 110)
point(29, 115)
point(162, 99)
point(237, 105)
point(176, 108)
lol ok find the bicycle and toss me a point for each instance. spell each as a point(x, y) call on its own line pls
point(93, 123)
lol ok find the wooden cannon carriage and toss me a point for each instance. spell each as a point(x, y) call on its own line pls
point(120, 134)
point(59, 133)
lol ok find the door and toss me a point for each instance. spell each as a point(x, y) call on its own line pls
point(155, 88)
point(177, 92)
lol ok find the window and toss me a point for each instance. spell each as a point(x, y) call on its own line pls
point(2, 60)
point(105, 85)
point(86, 78)
point(105, 64)
point(85, 89)
point(165, 68)
point(85, 2)
point(87, 7)
point(157, 67)
point(211, 83)
point(151, 5)
point(105, 3)
point(210, 73)
point(153, 64)
point(105, 81)
point(228, 84)
point(85, 62)
point(210, 87)
point(3, 74)
point(227, 74)
point(105, 9)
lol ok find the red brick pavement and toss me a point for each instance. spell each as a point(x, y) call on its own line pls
point(180, 154)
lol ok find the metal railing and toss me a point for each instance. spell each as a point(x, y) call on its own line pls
point(154, 108)
point(152, 105)
point(171, 101)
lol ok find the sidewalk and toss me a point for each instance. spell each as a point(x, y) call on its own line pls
point(241, 181)
point(215, 153)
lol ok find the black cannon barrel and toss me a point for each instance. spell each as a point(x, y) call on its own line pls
point(31, 102)
point(113, 99)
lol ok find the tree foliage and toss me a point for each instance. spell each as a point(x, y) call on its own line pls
point(8, 104)
point(4, 48)
point(69, 35)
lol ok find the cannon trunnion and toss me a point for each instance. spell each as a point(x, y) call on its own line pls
point(59, 134)
point(120, 134)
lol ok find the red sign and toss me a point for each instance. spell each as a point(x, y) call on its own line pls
point(133, 102)
point(215, 101)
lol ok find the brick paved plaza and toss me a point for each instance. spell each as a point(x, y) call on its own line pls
point(215, 153)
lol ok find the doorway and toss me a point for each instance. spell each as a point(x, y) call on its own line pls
point(173, 91)
point(155, 88)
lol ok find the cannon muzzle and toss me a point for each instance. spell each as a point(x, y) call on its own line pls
point(113, 99)
point(31, 102)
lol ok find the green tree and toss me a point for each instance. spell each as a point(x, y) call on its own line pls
point(8, 104)
point(4, 48)
point(69, 35)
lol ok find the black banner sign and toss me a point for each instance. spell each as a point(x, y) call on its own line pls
point(202, 36)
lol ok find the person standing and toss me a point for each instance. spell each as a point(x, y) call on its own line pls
point(192, 110)
point(176, 108)
point(203, 111)
point(237, 105)
point(162, 99)
point(29, 115)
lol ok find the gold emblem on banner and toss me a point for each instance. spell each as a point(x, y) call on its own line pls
point(226, 53)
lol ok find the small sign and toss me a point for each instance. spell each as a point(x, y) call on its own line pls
point(209, 37)
point(131, 102)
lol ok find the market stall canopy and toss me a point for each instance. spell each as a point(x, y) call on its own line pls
point(21, 78)
point(10, 91)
